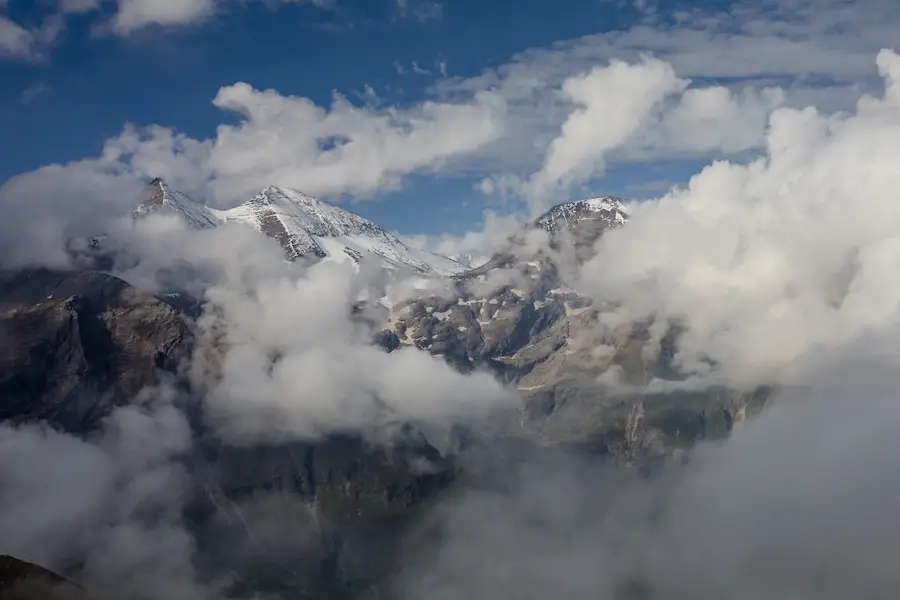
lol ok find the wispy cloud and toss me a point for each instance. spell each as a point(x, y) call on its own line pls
point(29, 44)
point(32, 93)
point(420, 10)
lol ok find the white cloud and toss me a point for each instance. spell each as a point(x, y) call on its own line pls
point(478, 244)
point(15, 41)
point(19, 43)
point(611, 105)
point(134, 14)
point(343, 149)
point(56, 202)
point(770, 260)
point(816, 51)
point(279, 141)
point(278, 355)
point(326, 377)
point(713, 120)
point(113, 505)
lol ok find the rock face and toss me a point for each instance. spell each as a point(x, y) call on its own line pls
point(160, 198)
point(76, 345)
point(20, 580)
point(516, 316)
point(320, 518)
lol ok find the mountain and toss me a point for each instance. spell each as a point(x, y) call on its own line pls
point(78, 344)
point(519, 316)
point(304, 227)
point(609, 211)
point(570, 228)
point(160, 198)
point(20, 580)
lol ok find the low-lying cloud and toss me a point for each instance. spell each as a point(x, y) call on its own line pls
point(797, 504)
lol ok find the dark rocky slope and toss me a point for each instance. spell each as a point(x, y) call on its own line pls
point(76, 345)
point(21, 580)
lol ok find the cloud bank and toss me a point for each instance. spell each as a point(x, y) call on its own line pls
point(797, 504)
point(770, 260)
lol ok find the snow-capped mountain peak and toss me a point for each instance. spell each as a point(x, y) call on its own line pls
point(610, 210)
point(303, 226)
point(160, 198)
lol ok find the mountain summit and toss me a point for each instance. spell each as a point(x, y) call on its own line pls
point(610, 211)
point(304, 226)
point(160, 198)
point(575, 226)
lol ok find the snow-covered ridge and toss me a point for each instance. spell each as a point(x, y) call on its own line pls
point(304, 226)
point(608, 209)
point(160, 198)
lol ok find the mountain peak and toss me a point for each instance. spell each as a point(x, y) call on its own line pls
point(609, 211)
point(159, 198)
point(306, 226)
point(154, 194)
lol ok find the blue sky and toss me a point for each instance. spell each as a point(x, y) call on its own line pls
point(83, 75)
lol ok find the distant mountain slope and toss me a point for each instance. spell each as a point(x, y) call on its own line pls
point(303, 226)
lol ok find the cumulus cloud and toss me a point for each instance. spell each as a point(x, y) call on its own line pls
point(279, 355)
point(134, 14)
point(816, 52)
point(611, 104)
point(768, 260)
point(636, 112)
point(290, 363)
point(344, 149)
point(708, 121)
point(57, 203)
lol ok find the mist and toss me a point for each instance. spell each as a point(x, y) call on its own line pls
point(799, 503)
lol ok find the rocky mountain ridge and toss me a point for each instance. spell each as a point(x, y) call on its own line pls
point(303, 226)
